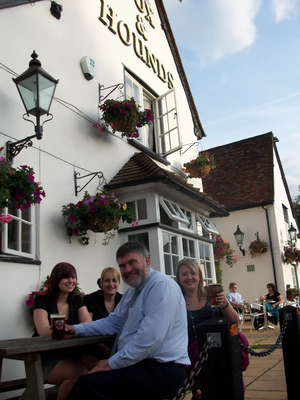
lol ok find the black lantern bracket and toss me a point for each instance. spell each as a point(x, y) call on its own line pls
point(14, 148)
point(119, 86)
point(93, 175)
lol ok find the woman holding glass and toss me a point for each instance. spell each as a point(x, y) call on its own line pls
point(60, 298)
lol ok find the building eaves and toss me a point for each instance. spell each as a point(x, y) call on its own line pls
point(199, 131)
point(142, 169)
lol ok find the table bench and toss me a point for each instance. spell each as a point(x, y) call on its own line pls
point(29, 350)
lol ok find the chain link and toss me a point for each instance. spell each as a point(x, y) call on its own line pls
point(271, 349)
point(189, 382)
point(203, 355)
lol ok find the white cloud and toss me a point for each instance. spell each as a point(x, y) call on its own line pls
point(213, 29)
point(284, 9)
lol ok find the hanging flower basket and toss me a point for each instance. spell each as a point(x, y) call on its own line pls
point(18, 189)
point(200, 166)
point(291, 254)
point(99, 213)
point(258, 247)
point(222, 249)
point(124, 116)
point(121, 124)
point(221, 254)
point(199, 171)
point(104, 225)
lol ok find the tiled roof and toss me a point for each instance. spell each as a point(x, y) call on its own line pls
point(244, 176)
point(142, 169)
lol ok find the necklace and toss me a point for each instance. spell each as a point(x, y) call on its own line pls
point(109, 305)
point(192, 323)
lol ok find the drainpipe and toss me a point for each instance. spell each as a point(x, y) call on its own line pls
point(271, 247)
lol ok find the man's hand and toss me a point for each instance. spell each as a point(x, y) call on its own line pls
point(69, 331)
point(102, 366)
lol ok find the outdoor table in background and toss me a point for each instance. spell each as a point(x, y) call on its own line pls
point(266, 325)
point(29, 350)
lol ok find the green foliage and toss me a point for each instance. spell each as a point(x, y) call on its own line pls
point(296, 204)
point(222, 249)
point(219, 272)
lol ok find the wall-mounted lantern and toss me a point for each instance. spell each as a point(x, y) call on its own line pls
point(239, 237)
point(36, 88)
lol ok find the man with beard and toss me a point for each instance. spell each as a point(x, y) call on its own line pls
point(149, 356)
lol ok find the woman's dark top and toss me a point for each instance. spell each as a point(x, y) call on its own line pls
point(95, 304)
point(198, 316)
point(274, 297)
point(46, 303)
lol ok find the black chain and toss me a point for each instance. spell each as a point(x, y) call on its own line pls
point(271, 349)
point(189, 382)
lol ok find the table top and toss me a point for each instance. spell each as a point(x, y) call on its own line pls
point(12, 347)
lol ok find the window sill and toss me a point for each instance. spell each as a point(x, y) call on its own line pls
point(19, 260)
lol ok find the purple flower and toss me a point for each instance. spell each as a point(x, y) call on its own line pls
point(92, 209)
point(29, 302)
point(75, 232)
point(72, 218)
point(31, 177)
point(123, 112)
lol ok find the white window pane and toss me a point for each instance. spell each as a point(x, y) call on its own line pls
point(142, 209)
point(13, 235)
point(26, 238)
point(168, 265)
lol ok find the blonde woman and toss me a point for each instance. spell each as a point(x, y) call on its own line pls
point(102, 302)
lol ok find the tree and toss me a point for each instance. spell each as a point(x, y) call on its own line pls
point(296, 204)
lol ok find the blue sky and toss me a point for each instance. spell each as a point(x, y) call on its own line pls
point(242, 61)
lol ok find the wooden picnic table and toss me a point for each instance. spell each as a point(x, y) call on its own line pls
point(29, 350)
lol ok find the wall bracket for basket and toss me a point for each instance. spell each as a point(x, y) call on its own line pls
point(93, 175)
point(113, 87)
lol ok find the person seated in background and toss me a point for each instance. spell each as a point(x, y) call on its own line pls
point(60, 298)
point(104, 301)
point(272, 307)
point(234, 297)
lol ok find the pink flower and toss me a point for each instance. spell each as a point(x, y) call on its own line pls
point(92, 209)
point(75, 232)
point(5, 219)
point(29, 302)
point(72, 218)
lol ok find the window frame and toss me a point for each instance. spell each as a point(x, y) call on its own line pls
point(32, 233)
point(145, 93)
point(207, 225)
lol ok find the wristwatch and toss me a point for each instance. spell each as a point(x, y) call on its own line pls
point(223, 308)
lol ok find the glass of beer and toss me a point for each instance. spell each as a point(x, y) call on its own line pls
point(58, 322)
point(214, 289)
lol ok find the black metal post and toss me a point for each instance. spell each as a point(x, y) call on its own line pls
point(291, 350)
point(221, 375)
